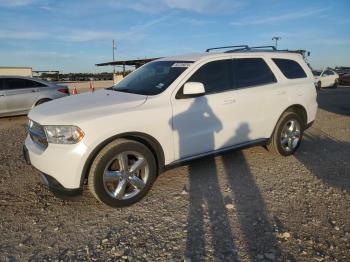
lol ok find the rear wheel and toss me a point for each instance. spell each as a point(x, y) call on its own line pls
point(318, 85)
point(287, 135)
point(122, 173)
point(336, 83)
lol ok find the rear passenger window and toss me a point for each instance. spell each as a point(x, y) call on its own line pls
point(30, 83)
point(290, 68)
point(252, 72)
point(215, 76)
point(15, 83)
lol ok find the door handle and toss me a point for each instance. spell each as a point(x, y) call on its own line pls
point(229, 101)
point(281, 93)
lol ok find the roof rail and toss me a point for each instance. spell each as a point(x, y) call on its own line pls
point(265, 47)
point(248, 48)
point(224, 47)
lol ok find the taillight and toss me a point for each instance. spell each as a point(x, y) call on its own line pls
point(63, 90)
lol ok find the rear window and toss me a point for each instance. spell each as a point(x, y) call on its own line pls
point(290, 68)
point(252, 72)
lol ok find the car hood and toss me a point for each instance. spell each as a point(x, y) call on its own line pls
point(86, 106)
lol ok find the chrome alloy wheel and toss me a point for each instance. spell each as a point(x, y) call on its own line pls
point(126, 175)
point(290, 135)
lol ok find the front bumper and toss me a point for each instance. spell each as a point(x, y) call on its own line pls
point(50, 182)
point(61, 165)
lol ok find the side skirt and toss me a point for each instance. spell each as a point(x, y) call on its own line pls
point(183, 161)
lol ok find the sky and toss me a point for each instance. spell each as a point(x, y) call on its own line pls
point(74, 35)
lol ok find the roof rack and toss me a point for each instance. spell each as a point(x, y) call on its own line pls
point(242, 48)
point(225, 47)
point(252, 48)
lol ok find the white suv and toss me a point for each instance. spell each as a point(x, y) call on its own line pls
point(169, 111)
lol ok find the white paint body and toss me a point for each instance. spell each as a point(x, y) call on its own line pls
point(183, 127)
point(327, 78)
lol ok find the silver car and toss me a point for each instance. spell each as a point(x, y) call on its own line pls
point(19, 94)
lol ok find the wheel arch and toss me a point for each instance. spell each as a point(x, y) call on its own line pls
point(149, 141)
point(296, 108)
point(40, 100)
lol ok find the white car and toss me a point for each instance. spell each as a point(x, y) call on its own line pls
point(326, 78)
point(167, 112)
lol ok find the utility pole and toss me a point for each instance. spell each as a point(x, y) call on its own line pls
point(276, 38)
point(113, 49)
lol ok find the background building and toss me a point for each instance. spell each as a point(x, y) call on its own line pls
point(18, 71)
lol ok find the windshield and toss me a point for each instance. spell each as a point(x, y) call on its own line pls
point(153, 78)
point(316, 73)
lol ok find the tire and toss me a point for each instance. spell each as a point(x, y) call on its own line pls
point(318, 85)
point(42, 101)
point(108, 179)
point(279, 141)
point(336, 83)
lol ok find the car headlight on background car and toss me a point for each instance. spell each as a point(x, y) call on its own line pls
point(63, 134)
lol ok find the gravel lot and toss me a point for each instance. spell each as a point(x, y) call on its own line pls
point(246, 205)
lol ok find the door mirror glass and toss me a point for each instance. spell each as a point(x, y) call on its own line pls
point(193, 89)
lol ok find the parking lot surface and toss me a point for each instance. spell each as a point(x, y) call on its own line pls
point(243, 205)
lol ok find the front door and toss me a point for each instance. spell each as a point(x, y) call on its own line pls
point(203, 124)
point(20, 95)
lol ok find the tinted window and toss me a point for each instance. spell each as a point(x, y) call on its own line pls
point(15, 83)
point(328, 73)
point(153, 78)
point(30, 83)
point(290, 68)
point(215, 76)
point(2, 84)
point(252, 72)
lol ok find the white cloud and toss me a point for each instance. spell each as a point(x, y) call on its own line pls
point(156, 6)
point(278, 18)
point(195, 22)
point(21, 35)
point(14, 3)
point(133, 32)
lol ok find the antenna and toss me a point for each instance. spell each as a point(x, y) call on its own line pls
point(276, 38)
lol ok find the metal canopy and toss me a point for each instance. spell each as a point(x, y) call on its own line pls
point(135, 62)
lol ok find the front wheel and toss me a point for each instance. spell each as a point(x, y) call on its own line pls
point(122, 173)
point(287, 135)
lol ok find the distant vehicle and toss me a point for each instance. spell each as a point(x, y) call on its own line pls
point(345, 79)
point(20, 94)
point(167, 112)
point(341, 70)
point(326, 78)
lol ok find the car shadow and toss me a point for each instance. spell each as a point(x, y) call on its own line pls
point(209, 229)
point(320, 154)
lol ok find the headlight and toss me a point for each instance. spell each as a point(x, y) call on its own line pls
point(63, 134)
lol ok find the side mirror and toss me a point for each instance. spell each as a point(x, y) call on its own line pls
point(193, 89)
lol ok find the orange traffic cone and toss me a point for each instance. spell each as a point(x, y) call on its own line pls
point(75, 92)
point(92, 89)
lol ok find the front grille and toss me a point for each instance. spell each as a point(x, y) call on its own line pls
point(37, 134)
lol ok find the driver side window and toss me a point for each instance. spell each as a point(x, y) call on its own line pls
point(215, 76)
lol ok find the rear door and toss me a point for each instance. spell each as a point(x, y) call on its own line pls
point(328, 78)
point(21, 94)
point(258, 100)
point(2, 97)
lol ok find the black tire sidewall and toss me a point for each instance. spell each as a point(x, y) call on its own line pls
point(285, 118)
point(42, 101)
point(102, 162)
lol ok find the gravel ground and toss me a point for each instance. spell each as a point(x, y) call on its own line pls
point(245, 205)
